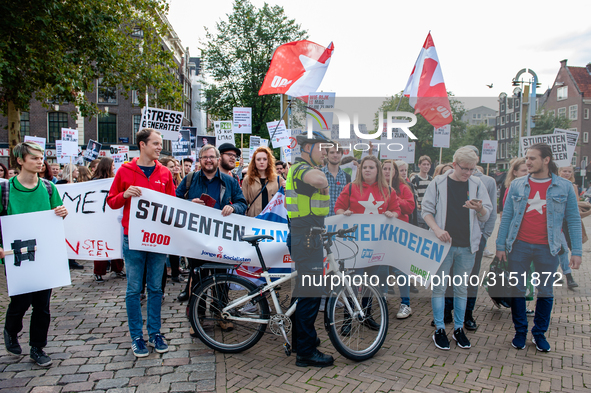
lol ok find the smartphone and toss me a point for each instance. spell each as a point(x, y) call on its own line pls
point(208, 200)
point(476, 200)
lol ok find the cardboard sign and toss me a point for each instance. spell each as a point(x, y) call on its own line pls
point(118, 159)
point(278, 134)
point(70, 135)
point(489, 152)
point(62, 156)
point(92, 150)
point(441, 136)
point(169, 123)
point(224, 132)
point(93, 230)
point(120, 149)
point(182, 147)
point(572, 138)
point(558, 142)
point(242, 120)
point(40, 260)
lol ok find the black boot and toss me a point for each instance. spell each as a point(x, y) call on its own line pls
point(346, 328)
point(570, 281)
point(469, 322)
point(317, 359)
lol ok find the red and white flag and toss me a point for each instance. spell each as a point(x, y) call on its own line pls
point(426, 89)
point(297, 68)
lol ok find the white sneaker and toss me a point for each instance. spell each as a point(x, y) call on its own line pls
point(404, 312)
point(487, 253)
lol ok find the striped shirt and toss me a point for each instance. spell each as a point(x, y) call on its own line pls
point(421, 186)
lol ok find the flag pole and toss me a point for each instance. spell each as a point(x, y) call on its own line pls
point(440, 154)
point(487, 167)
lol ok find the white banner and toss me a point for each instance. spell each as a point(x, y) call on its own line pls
point(242, 120)
point(441, 136)
point(572, 138)
point(45, 267)
point(93, 229)
point(224, 133)
point(558, 142)
point(489, 152)
point(168, 225)
point(169, 123)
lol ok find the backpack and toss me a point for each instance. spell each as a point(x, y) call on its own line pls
point(5, 192)
point(188, 184)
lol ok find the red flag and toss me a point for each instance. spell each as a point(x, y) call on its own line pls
point(297, 68)
point(426, 89)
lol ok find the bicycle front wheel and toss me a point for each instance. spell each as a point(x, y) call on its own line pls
point(227, 334)
point(357, 337)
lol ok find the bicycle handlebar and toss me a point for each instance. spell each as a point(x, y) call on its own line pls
point(339, 233)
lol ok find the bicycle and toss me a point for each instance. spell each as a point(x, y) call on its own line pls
point(224, 299)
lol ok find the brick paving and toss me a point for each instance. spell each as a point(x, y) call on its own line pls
point(90, 346)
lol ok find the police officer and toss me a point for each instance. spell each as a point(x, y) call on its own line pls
point(308, 202)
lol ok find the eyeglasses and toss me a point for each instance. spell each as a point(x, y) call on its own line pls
point(232, 156)
point(469, 170)
point(208, 158)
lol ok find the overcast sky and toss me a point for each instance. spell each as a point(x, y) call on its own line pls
point(377, 42)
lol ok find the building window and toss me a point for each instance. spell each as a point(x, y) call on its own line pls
point(502, 120)
point(137, 119)
point(562, 93)
point(55, 122)
point(574, 160)
point(516, 102)
point(512, 132)
point(135, 99)
point(25, 125)
point(517, 131)
point(106, 94)
point(586, 113)
point(517, 115)
point(507, 118)
point(584, 162)
point(585, 137)
point(107, 129)
point(498, 134)
point(552, 113)
point(512, 117)
point(502, 107)
point(562, 112)
point(573, 112)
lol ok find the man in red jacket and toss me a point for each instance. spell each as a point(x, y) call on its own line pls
point(144, 171)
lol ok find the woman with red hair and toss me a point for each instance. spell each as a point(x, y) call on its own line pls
point(261, 181)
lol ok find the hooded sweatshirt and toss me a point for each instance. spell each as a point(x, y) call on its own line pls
point(130, 174)
point(370, 201)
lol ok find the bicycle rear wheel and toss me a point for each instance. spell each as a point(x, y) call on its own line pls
point(221, 334)
point(355, 337)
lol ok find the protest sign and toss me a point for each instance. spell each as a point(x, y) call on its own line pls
point(192, 136)
point(489, 152)
point(120, 149)
point(558, 143)
point(285, 154)
point(441, 136)
point(319, 119)
point(572, 138)
point(182, 146)
point(70, 135)
point(93, 230)
point(203, 140)
point(59, 154)
point(224, 132)
point(264, 142)
point(33, 269)
point(167, 122)
point(92, 150)
point(35, 139)
point(242, 120)
point(278, 134)
point(168, 225)
point(118, 159)
point(396, 148)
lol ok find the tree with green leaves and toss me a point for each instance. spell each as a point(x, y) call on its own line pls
point(55, 50)
point(546, 122)
point(236, 57)
point(424, 131)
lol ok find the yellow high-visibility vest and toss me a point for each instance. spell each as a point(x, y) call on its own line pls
point(299, 204)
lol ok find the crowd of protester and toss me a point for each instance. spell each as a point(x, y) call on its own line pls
point(426, 199)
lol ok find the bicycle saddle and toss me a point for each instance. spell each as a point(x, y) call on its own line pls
point(254, 239)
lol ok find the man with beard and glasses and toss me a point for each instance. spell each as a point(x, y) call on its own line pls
point(228, 156)
point(227, 196)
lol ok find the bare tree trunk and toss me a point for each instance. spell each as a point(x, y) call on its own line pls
point(14, 130)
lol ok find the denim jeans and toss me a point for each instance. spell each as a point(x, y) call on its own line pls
point(520, 259)
point(460, 260)
point(472, 289)
point(403, 283)
point(136, 262)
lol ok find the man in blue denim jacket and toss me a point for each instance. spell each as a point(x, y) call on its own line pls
point(530, 230)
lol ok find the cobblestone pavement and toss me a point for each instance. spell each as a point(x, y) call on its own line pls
point(90, 345)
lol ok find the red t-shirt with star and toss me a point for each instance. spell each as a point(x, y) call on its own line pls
point(534, 229)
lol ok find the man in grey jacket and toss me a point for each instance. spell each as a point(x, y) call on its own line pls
point(487, 229)
point(461, 196)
